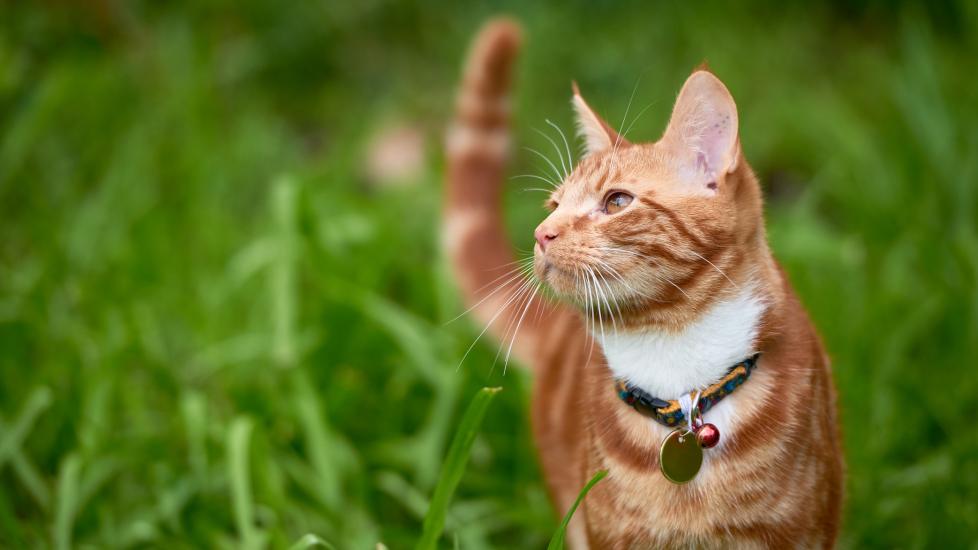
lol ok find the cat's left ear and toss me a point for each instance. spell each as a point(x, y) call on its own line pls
point(702, 132)
point(598, 135)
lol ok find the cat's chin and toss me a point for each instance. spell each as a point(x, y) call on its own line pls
point(561, 281)
point(567, 284)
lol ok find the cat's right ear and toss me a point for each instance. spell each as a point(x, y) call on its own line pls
point(598, 135)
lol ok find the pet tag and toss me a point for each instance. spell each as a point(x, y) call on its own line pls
point(680, 456)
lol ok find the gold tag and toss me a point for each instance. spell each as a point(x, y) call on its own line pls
point(680, 456)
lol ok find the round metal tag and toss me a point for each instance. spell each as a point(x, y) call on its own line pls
point(680, 456)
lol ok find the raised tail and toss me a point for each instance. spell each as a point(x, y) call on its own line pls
point(477, 151)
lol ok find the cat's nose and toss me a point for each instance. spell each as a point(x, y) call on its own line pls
point(544, 234)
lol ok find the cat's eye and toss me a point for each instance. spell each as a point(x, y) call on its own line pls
point(616, 202)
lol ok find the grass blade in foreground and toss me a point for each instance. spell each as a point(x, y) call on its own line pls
point(454, 467)
point(557, 542)
point(238, 438)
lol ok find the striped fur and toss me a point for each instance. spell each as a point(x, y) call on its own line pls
point(684, 271)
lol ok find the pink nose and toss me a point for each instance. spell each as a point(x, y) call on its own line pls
point(544, 235)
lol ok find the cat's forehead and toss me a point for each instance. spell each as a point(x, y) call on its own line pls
point(636, 167)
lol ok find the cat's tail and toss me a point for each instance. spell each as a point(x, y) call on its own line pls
point(477, 151)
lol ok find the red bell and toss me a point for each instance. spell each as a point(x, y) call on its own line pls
point(708, 435)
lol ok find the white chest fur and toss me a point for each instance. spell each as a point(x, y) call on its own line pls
point(667, 364)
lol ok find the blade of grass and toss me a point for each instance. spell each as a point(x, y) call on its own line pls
point(321, 447)
point(67, 501)
point(28, 474)
point(557, 542)
point(11, 439)
point(193, 406)
point(238, 438)
point(458, 456)
point(283, 272)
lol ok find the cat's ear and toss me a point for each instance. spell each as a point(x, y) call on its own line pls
point(702, 131)
point(598, 135)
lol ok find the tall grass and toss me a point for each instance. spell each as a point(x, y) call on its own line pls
point(215, 332)
point(454, 468)
point(558, 540)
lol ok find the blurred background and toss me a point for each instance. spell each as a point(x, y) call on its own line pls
point(224, 315)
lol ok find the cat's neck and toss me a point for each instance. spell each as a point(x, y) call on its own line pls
point(668, 363)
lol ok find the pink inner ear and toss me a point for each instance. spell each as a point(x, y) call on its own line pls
point(716, 140)
point(702, 132)
point(701, 164)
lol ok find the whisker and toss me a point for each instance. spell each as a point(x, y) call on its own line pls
point(589, 316)
point(666, 279)
point(547, 305)
point(570, 158)
point(615, 273)
point(524, 291)
point(521, 262)
point(541, 178)
point(720, 271)
point(614, 150)
point(489, 324)
point(638, 116)
point(621, 317)
point(517, 330)
point(608, 268)
point(638, 255)
point(606, 291)
point(544, 157)
point(513, 274)
point(601, 302)
point(560, 154)
point(678, 288)
point(623, 250)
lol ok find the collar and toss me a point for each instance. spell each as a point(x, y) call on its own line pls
point(668, 412)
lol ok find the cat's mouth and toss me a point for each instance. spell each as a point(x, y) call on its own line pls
point(559, 278)
point(581, 281)
point(567, 281)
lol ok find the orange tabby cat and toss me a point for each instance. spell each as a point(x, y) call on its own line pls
point(662, 246)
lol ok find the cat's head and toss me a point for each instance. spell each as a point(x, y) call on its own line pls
point(635, 225)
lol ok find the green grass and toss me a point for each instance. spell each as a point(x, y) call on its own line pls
point(557, 541)
point(454, 468)
point(215, 332)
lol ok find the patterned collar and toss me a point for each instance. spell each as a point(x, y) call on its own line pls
point(669, 413)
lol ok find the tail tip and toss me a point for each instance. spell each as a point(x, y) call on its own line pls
point(496, 47)
point(482, 108)
point(501, 34)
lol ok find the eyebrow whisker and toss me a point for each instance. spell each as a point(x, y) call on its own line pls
point(560, 153)
point(570, 158)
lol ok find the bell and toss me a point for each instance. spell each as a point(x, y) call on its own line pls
point(708, 435)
